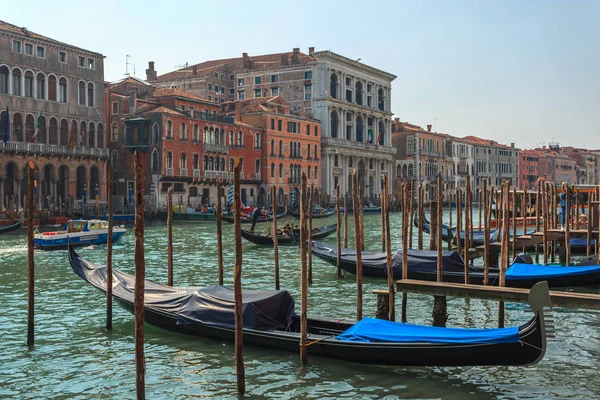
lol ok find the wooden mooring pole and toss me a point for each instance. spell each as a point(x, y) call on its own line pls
point(170, 236)
point(357, 235)
point(303, 278)
point(383, 230)
point(404, 248)
point(411, 202)
point(468, 228)
point(567, 192)
point(237, 281)
point(345, 221)
point(504, 257)
point(309, 234)
point(388, 239)
point(339, 230)
point(275, 238)
point(109, 242)
point(220, 232)
point(538, 214)
point(514, 222)
point(30, 260)
point(440, 314)
point(140, 276)
point(421, 215)
point(486, 234)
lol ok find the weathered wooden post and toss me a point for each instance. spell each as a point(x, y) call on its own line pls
point(449, 194)
point(97, 205)
point(303, 278)
point(220, 232)
point(404, 249)
point(514, 222)
point(170, 236)
point(140, 276)
point(591, 198)
point(388, 239)
point(525, 213)
point(383, 230)
point(30, 260)
point(421, 214)
point(411, 201)
point(554, 221)
point(545, 221)
point(504, 257)
point(358, 237)
point(538, 214)
point(339, 230)
point(346, 212)
point(458, 218)
point(237, 281)
point(479, 202)
point(275, 237)
point(470, 204)
point(567, 192)
point(468, 228)
point(109, 242)
point(440, 315)
point(309, 234)
point(486, 234)
point(576, 208)
point(11, 211)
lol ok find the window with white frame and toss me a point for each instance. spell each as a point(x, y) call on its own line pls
point(28, 49)
point(241, 82)
point(257, 80)
point(275, 91)
point(91, 64)
point(114, 132)
point(274, 78)
point(40, 52)
point(62, 57)
point(81, 62)
point(16, 46)
point(257, 92)
point(242, 95)
point(307, 92)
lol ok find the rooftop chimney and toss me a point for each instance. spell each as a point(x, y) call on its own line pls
point(284, 59)
point(133, 101)
point(311, 50)
point(150, 72)
point(397, 120)
point(296, 50)
point(512, 145)
point(245, 60)
point(428, 128)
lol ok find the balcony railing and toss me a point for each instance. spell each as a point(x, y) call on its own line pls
point(53, 149)
point(215, 174)
point(216, 148)
point(196, 173)
point(357, 145)
point(257, 176)
point(183, 172)
point(169, 171)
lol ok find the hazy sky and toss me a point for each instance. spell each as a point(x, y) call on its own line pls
point(515, 71)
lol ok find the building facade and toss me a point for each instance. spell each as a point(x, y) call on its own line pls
point(463, 161)
point(529, 173)
point(495, 162)
point(54, 95)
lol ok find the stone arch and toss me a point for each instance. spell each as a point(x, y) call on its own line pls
point(48, 178)
point(81, 174)
point(63, 139)
point(17, 122)
point(92, 136)
point(335, 122)
point(81, 142)
point(29, 128)
point(100, 136)
point(94, 181)
point(62, 187)
point(333, 86)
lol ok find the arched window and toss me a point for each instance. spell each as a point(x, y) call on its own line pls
point(334, 124)
point(292, 149)
point(90, 94)
point(154, 161)
point(3, 80)
point(82, 135)
point(40, 86)
point(398, 171)
point(114, 160)
point(308, 154)
point(63, 93)
point(222, 136)
point(100, 136)
point(92, 136)
point(52, 88)
point(211, 136)
point(169, 130)
point(183, 132)
point(316, 152)
point(205, 138)
point(272, 170)
point(308, 172)
point(359, 93)
point(196, 134)
point(316, 173)
point(114, 132)
point(29, 84)
point(272, 147)
point(380, 99)
point(381, 133)
point(169, 159)
point(16, 89)
point(333, 86)
point(64, 132)
point(299, 150)
point(280, 148)
point(257, 141)
point(280, 170)
point(240, 141)
point(410, 170)
point(182, 162)
point(257, 166)
point(29, 127)
point(53, 131)
point(359, 129)
point(231, 142)
point(196, 162)
point(155, 134)
point(81, 93)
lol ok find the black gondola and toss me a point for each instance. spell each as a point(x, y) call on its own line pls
point(269, 321)
point(12, 227)
point(323, 213)
point(229, 218)
point(422, 265)
point(262, 239)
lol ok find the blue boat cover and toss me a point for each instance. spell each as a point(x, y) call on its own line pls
point(518, 271)
point(377, 330)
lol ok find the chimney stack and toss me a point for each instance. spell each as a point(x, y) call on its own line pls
point(132, 101)
point(512, 145)
point(311, 50)
point(245, 60)
point(296, 50)
point(397, 120)
point(151, 74)
point(429, 128)
point(284, 59)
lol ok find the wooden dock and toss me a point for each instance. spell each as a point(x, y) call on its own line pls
point(588, 301)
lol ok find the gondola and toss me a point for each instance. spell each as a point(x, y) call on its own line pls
point(422, 265)
point(269, 321)
point(261, 239)
point(264, 240)
point(248, 220)
point(320, 213)
point(9, 228)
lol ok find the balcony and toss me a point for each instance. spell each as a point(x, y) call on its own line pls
point(169, 171)
point(215, 148)
point(136, 134)
point(196, 173)
point(54, 150)
point(215, 174)
point(183, 172)
point(257, 176)
point(216, 118)
point(293, 180)
point(351, 144)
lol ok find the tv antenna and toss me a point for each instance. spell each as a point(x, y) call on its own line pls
point(182, 68)
point(127, 64)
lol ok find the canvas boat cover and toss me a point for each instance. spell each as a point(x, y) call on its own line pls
point(377, 330)
point(214, 305)
point(418, 260)
point(519, 271)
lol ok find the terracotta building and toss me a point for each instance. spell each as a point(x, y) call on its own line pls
point(53, 94)
point(556, 167)
point(529, 161)
point(290, 144)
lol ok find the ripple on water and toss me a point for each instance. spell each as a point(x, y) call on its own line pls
point(76, 358)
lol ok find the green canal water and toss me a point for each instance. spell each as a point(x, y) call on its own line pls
point(74, 357)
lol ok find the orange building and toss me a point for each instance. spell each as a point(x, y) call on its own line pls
point(289, 145)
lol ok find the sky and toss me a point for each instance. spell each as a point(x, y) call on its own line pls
point(526, 72)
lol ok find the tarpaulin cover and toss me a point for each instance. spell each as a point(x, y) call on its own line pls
point(214, 305)
point(518, 271)
point(377, 330)
point(580, 242)
point(418, 260)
